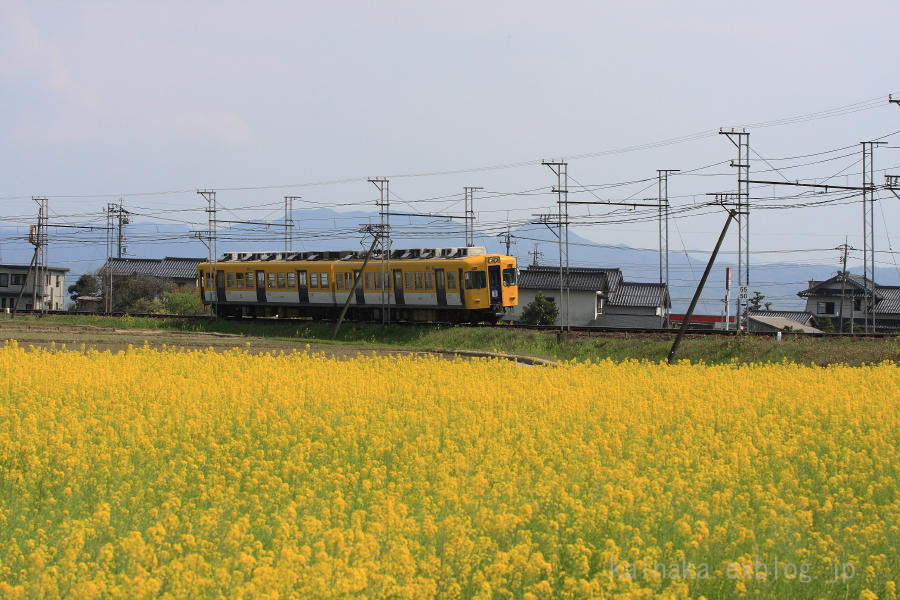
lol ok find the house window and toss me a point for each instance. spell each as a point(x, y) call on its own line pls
point(825, 308)
point(600, 303)
point(857, 304)
point(18, 279)
point(4, 279)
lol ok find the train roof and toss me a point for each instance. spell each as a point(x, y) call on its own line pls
point(335, 255)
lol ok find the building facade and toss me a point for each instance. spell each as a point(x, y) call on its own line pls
point(841, 300)
point(597, 297)
point(16, 281)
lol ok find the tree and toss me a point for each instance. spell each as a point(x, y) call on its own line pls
point(87, 285)
point(540, 311)
point(137, 293)
point(183, 301)
point(755, 302)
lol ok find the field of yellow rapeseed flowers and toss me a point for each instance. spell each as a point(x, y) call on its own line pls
point(174, 474)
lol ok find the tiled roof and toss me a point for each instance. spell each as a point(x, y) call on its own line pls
point(802, 317)
point(178, 268)
point(580, 279)
point(890, 299)
point(639, 294)
point(783, 323)
point(164, 268)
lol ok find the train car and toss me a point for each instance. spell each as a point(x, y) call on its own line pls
point(441, 285)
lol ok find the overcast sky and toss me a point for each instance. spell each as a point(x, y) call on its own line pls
point(131, 98)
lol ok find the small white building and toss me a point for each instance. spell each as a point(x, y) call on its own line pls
point(597, 297)
point(50, 294)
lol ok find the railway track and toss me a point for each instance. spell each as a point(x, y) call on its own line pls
point(574, 331)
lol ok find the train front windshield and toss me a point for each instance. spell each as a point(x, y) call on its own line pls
point(509, 277)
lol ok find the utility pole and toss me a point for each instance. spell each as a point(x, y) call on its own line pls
point(662, 176)
point(384, 210)
point(868, 189)
point(536, 256)
point(893, 100)
point(39, 290)
point(506, 238)
point(561, 189)
point(844, 248)
point(470, 214)
point(122, 216)
point(376, 233)
point(210, 197)
point(289, 222)
point(741, 141)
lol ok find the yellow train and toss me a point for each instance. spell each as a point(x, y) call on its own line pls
point(418, 285)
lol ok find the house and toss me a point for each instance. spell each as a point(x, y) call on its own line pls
point(49, 295)
point(598, 297)
point(181, 271)
point(843, 298)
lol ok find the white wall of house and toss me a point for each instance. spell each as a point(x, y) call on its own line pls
point(830, 306)
point(54, 289)
point(581, 305)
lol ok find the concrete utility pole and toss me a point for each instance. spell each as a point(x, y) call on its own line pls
point(210, 197)
point(536, 256)
point(470, 214)
point(384, 211)
point(122, 216)
point(506, 238)
point(844, 248)
point(289, 222)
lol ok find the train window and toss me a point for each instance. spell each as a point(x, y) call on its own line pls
point(229, 280)
point(238, 281)
point(339, 281)
point(419, 280)
point(378, 280)
point(324, 279)
point(409, 280)
point(475, 280)
point(271, 284)
point(292, 281)
point(451, 280)
point(281, 281)
point(509, 277)
point(348, 280)
point(313, 280)
point(248, 281)
point(369, 282)
point(301, 278)
point(429, 280)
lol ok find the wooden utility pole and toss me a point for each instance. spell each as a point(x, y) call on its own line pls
point(356, 281)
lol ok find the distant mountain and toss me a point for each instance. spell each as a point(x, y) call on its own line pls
point(84, 251)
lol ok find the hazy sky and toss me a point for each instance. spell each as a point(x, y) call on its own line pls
point(132, 98)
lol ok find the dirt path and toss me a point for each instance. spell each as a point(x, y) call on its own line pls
point(104, 338)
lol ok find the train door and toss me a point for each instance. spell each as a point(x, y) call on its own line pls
point(220, 286)
point(494, 284)
point(360, 288)
point(302, 287)
point(398, 286)
point(440, 288)
point(261, 287)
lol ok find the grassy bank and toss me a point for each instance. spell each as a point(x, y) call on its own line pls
point(617, 346)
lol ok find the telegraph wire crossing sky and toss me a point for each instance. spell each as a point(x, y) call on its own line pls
point(150, 103)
